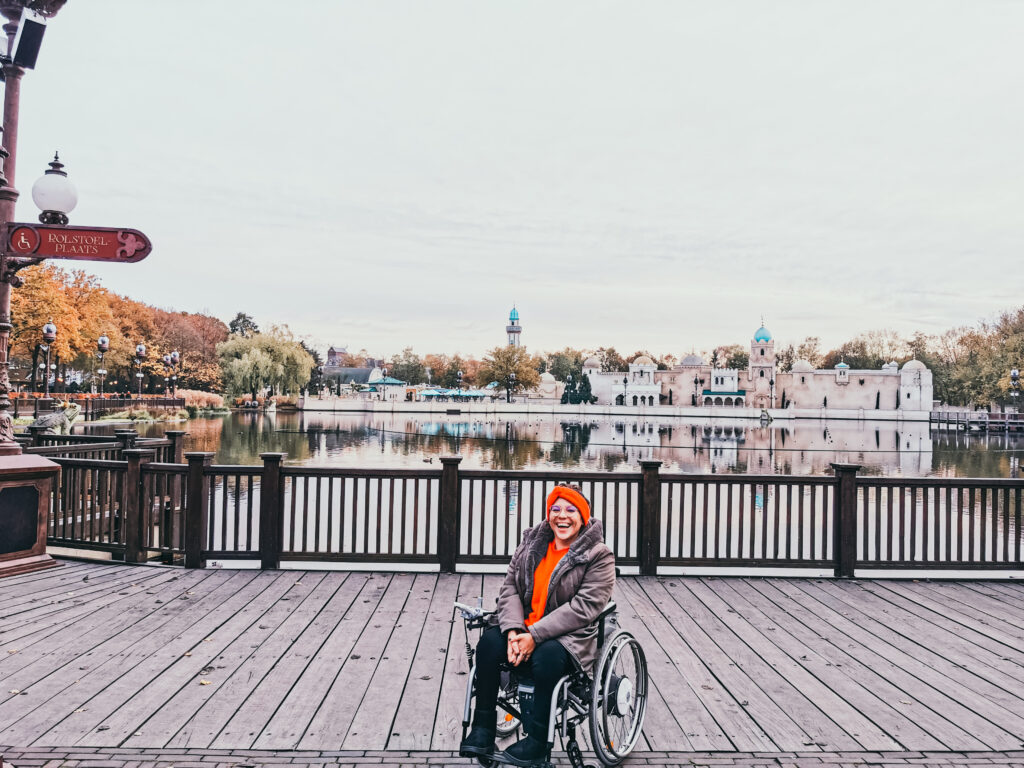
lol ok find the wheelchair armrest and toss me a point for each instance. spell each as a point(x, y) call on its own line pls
point(608, 610)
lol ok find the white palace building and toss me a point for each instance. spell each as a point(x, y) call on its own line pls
point(761, 386)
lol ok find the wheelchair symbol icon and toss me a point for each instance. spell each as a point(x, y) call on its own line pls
point(24, 240)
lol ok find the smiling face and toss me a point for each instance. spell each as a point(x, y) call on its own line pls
point(565, 521)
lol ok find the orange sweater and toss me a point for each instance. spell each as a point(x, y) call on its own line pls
point(541, 580)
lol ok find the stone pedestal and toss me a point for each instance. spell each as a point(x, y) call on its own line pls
point(26, 482)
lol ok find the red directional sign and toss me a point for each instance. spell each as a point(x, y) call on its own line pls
point(87, 243)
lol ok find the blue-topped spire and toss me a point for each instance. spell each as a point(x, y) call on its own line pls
point(513, 318)
point(762, 334)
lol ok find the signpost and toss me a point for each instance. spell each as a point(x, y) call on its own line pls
point(26, 481)
point(85, 243)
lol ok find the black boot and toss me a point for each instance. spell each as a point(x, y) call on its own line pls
point(526, 752)
point(479, 742)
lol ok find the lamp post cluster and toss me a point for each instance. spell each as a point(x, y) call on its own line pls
point(511, 386)
point(171, 362)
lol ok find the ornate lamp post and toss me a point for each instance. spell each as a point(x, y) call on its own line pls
point(568, 386)
point(383, 377)
point(625, 387)
point(49, 336)
point(140, 355)
point(170, 362)
point(510, 387)
point(1015, 385)
point(771, 389)
point(458, 381)
point(102, 347)
point(9, 265)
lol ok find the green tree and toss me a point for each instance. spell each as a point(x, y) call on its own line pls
point(272, 361)
point(243, 325)
point(502, 361)
point(567, 362)
point(408, 367)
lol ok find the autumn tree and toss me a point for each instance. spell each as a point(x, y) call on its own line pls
point(408, 367)
point(565, 363)
point(502, 361)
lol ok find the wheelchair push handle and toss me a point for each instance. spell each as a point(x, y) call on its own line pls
point(471, 613)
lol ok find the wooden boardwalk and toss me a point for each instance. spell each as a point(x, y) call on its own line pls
point(111, 655)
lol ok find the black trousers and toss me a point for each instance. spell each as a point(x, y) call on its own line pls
point(548, 663)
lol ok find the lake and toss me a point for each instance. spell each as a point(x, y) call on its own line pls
point(613, 444)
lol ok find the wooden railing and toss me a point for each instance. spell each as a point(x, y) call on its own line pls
point(140, 508)
point(93, 406)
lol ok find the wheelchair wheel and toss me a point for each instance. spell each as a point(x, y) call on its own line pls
point(619, 698)
point(507, 723)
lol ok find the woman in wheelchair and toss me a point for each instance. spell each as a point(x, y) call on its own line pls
point(560, 579)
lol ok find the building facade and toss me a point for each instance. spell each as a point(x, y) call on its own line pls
point(693, 382)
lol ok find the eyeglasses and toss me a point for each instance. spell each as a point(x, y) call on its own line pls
point(557, 511)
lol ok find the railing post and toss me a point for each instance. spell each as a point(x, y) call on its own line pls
point(649, 535)
point(177, 438)
point(271, 511)
point(844, 520)
point(134, 535)
point(197, 508)
point(448, 514)
point(126, 437)
point(37, 434)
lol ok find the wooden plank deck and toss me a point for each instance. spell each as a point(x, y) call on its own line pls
point(107, 655)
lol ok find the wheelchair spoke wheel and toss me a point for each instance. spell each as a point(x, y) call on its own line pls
point(508, 706)
point(619, 699)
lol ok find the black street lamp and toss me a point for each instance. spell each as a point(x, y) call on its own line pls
point(696, 381)
point(625, 387)
point(102, 347)
point(49, 336)
point(170, 362)
point(458, 380)
point(568, 387)
point(1015, 385)
point(511, 386)
point(140, 355)
point(771, 388)
point(383, 384)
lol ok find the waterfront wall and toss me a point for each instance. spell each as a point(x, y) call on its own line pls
point(542, 408)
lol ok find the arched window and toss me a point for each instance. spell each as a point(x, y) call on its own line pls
point(634, 399)
point(762, 374)
point(762, 353)
point(618, 400)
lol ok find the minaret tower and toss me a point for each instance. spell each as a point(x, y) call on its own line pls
point(513, 329)
point(762, 354)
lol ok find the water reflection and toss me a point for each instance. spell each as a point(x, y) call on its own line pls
point(603, 444)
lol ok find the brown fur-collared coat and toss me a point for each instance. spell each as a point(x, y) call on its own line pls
point(581, 586)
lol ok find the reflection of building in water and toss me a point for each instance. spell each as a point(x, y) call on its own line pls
point(723, 443)
point(792, 447)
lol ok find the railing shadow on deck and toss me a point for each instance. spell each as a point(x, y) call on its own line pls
point(142, 506)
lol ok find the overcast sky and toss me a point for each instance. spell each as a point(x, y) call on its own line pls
point(638, 174)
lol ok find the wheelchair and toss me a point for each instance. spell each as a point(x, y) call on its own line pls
point(612, 702)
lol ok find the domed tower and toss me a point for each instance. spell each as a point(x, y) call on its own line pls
point(513, 329)
point(762, 355)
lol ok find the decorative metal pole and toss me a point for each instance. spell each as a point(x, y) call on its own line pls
point(49, 336)
point(9, 265)
point(102, 345)
point(140, 355)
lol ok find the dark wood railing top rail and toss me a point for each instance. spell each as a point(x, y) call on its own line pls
point(547, 474)
point(91, 463)
point(164, 467)
point(48, 450)
point(422, 474)
point(51, 439)
point(938, 482)
point(727, 479)
point(231, 469)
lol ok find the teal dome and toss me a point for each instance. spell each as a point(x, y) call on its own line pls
point(762, 334)
point(842, 365)
point(514, 317)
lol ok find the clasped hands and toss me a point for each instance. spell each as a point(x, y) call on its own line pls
point(520, 646)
